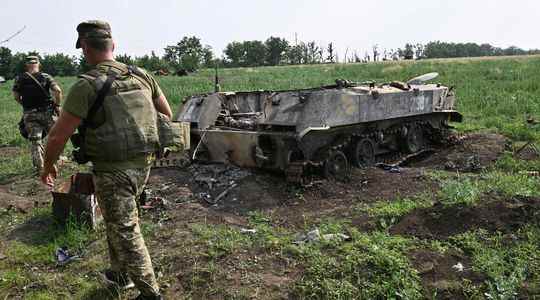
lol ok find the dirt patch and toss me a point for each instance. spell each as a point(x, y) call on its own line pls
point(13, 203)
point(287, 205)
point(10, 151)
point(439, 222)
point(222, 190)
point(471, 152)
point(442, 274)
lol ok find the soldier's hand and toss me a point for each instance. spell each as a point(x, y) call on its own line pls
point(48, 175)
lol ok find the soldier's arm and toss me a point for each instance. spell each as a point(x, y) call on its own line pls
point(55, 89)
point(56, 141)
point(57, 94)
point(160, 101)
point(17, 97)
point(162, 106)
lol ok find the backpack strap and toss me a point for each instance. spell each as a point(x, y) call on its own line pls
point(38, 83)
point(102, 93)
point(139, 75)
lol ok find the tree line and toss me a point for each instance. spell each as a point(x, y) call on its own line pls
point(190, 54)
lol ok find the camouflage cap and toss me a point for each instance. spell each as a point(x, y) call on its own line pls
point(32, 59)
point(93, 29)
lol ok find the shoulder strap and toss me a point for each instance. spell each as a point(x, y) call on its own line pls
point(38, 83)
point(139, 75)
point(102, 93)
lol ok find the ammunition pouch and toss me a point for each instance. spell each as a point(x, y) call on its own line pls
point(172, 135)
point(79, 153)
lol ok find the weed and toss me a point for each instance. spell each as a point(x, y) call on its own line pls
point(512, 184)
point(507, 260)
point(372, 266)
point(389, 212)
point(463, 192)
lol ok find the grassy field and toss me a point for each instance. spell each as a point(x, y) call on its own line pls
point(494, 95)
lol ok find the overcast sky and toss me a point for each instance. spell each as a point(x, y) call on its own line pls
point(142, 26)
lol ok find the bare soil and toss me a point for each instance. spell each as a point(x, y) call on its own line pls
point(220, 194)
point(495, 214)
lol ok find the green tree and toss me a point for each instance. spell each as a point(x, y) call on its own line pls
point(6, 61)
point(124, 58)
point(188, 54)
point(151, 62)
point(331, 58)
point(235, 54)
point(59, 64)
point(255, 52)
point(408, 52)
point(297, 54)
point(276, 49)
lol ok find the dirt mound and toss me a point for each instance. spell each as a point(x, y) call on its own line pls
point(441, 222)
point(10, 202)
point(471, 152)
point(442, 274)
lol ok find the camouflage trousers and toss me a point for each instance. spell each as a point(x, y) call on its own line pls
point(38, 124)
point(117, 193)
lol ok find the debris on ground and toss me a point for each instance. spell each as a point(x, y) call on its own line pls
point(315, 235)
point(458, 267)
point(217, 180)
point(529, 151)
point(250, 231)
point(63, 257)
point(155, 202)
point(531, 173)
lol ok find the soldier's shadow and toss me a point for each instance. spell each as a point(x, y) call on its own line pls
point(39, 229)
point(32, 231)
point(101, 293)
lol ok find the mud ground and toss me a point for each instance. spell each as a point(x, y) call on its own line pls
point(219, 194)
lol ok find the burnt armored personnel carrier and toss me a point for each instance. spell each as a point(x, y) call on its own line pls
point(330, 127)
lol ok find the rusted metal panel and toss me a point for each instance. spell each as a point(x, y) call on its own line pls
point(231, 146)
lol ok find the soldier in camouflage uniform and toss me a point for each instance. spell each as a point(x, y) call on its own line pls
point(32, 90)
point(121, 146)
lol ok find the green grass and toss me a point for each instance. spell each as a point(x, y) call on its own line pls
point(494, 95)
point(372, 266)
point(387, 213)
point(507, 260)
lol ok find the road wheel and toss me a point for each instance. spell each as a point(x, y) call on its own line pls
point(363, 154)
point(414, 140)
point(337, 166)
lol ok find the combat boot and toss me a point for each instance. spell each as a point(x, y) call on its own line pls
point(143, 297)
point(115, 280)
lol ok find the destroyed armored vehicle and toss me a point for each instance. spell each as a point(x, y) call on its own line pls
point(330, 127)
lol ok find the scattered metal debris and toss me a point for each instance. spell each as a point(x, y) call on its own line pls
point(179, 160)
point(458, 267)
point(217, 179)
point(469, 164)
point(531, 173)
point(245, 230)
point(155, 202)
point(395, 167)
point(315, 235)
point(529, 151)
point(63, 257)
